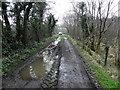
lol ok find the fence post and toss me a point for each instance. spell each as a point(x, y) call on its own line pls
point(106, 54)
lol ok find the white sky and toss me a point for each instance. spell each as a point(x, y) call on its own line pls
point(61, 7)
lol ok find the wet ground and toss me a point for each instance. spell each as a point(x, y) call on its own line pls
point(72, 71)
point(31, 72)
point(59, 65)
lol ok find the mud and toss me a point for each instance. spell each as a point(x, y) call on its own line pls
point(57, 66)
point(72, 71)
point(35, 70)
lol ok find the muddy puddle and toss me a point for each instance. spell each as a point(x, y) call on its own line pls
point(38, 68)
point(34, 70)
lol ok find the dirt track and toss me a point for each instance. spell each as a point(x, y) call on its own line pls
point(72, 71)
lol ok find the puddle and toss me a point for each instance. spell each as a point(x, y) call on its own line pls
point(57, 41)
point(51, 46)
point(34, 70)
point(65, 38)
point(39, 67)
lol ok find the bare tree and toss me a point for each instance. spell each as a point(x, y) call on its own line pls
point(102, 20)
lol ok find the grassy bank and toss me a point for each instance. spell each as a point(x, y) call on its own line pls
point(22, 54)
point(105, 80)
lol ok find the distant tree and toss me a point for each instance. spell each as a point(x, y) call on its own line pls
point(51, 24)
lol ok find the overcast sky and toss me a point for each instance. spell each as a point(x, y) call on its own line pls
point(61, 7)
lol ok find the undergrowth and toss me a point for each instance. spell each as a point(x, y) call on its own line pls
point(20, 55)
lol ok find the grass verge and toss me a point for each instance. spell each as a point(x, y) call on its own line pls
point(105, 80)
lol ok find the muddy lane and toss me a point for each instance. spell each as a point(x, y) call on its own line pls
point(72, 73)
point(35, 71)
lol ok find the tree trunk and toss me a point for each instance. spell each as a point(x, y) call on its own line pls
point(99, 41)
point(106, 54)
point(92, 46)
point(92, 43)
point(119, 49)
point(26, 15)
point(36, 33)
point(18, 26)
point(7, 23)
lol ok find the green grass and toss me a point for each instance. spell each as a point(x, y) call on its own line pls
point(17, 58)
point(103, 77)
point(49, 86)
point(105, 80)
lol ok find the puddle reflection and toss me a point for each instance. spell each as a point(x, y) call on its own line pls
point(40, 67)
